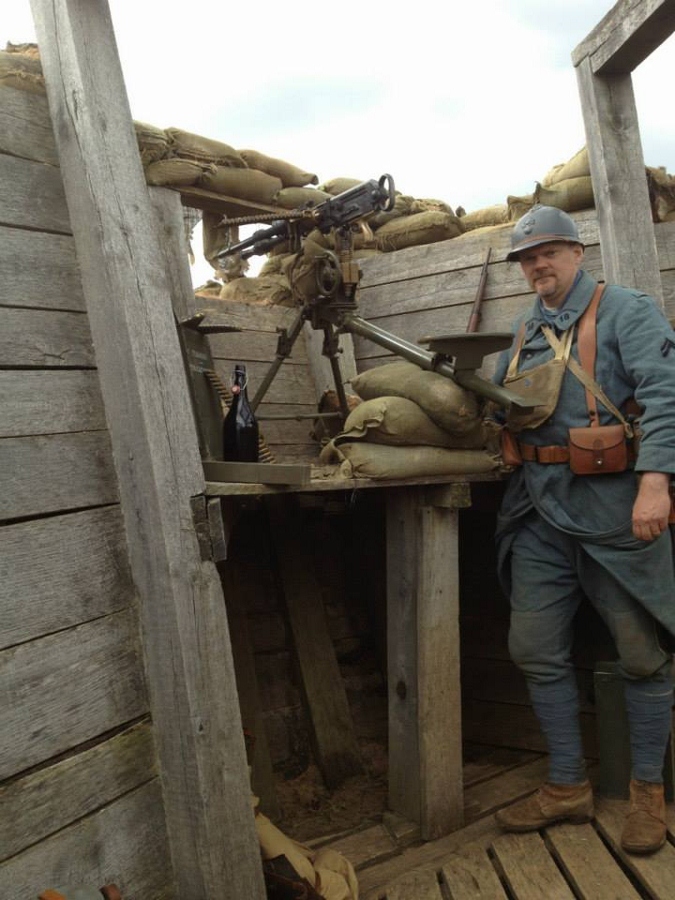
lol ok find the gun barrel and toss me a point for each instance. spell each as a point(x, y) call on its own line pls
point(431, 362)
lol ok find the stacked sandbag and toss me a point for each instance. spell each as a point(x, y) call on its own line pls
point(412, 423)
point(20, 68)
point(661, 194)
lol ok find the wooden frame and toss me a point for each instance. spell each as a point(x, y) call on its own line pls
point(604, 61)
point(189, 668)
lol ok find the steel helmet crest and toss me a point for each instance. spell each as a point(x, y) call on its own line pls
point(540, 225)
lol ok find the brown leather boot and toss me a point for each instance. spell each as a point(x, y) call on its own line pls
point(551, 803)
point(645, 828)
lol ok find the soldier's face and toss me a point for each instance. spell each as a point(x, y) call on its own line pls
point(550, 269)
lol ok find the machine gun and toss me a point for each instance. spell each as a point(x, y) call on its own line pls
point(324, 284)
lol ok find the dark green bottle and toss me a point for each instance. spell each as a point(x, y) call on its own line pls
point(240, 427)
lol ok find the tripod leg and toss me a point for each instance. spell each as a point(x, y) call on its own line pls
point(331, 349)
point(284, 347)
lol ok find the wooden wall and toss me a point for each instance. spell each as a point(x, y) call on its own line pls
point(80, 800)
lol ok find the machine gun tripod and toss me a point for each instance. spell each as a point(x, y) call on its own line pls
point(324, 283)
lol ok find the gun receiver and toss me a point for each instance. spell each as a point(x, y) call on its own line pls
point(356, 203)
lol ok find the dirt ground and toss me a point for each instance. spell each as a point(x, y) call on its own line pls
point(309, 810)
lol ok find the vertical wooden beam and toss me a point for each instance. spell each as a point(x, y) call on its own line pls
point(425, 732)
point(189, 668)
point(627, 238)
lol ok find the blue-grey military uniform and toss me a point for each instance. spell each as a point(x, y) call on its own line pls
point(635, 359)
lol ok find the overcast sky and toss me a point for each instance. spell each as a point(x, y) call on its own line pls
point(465, 103)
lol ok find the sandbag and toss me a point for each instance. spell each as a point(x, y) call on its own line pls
point(289, 175)
point(176, 171)
point(153, 143)
point(402, 207)
point(360, 459)
point(415, 230)
point(300, 197)
point(498, 214)
point(401, 422)
point(339, 185)
point(425, 204)
point(20, 68)
point(327, 871)
point(447, 404)
point(268, 290)
point(570, 195)
point(576, 167)
point(195, 146)
point(246, 184)
point(518, 206)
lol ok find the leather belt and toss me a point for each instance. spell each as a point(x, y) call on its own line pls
point(551, 454)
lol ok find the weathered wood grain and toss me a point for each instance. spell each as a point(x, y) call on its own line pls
point(292, 383)
point(588, 865)
point(128, 289)
point(39, 270)
point(124, 844)
point(44, 338)
point(617, 169)
point(32, 196)
point(47, 582)
point(422, 885)
point(425, 731)
point(49, 402)
point(471, 876)
point(55, 473)
point(528, 869)
point(43, 802)
point(25, 126)
point(626, 36)
point(69, 687)
point(255, 345)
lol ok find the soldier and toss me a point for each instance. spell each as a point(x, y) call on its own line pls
point(586, 515)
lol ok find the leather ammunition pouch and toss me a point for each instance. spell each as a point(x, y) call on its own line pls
point(599, 450)
point(509, 448)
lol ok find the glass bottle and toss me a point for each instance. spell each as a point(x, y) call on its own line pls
point(240, 427)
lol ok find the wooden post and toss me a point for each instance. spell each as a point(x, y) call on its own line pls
point(189, 669)
point(425, 727)
point(604, 60)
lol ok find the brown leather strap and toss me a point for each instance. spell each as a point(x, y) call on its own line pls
point(587, 345)
point(550, 454)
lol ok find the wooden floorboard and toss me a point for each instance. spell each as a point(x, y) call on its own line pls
point(481, 862)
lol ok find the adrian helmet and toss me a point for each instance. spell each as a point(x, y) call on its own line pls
point(541, 225)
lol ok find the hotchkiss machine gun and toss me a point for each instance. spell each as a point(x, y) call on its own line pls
point(325, 283)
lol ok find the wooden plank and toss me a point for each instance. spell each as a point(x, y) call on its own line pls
point(471, 876)
point(291, 384)
point(233, 207)
point(240, 585)
point(55, 473)
point(335, 741)
point(527, 868)
point(39, 270)
point(47, 583)
point(49, 402)
point(435, 853)
point(22, 179)
point(265, 473)
point(485, 797)
point(127, 283)
point(422, 885)
point(482, 764)
point(655, 872)
point(626, 36)
point(25, 126)
point(44, 338)
point(366, 846)
point(254, 345)
point(59, 687)
point(123, 843)
point(247, 316)
point(425, 739)
point(44, 802)
point(587, 864)
point(617, 169)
